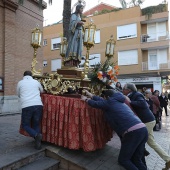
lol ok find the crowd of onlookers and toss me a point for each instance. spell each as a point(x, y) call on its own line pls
point(157, 103)
point(134, 116)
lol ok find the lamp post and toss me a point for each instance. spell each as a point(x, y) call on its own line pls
point(36, 43)
point(63, 49)
point(89, 40)
point(110, 45)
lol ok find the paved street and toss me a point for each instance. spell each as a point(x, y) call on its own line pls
point(11, 140)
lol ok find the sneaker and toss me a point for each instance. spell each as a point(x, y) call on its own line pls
point(38, 139)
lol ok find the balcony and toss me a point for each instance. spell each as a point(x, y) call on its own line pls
point(155, 66)
point(155, 41)
point(159, 36)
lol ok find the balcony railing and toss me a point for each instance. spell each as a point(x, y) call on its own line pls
point(159, 36)
point(155, 66)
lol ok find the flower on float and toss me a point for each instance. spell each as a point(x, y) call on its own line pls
point(110, 72)
point(116, 67)
point(109, 68)
point(116, 72)
point(112, 77)
point(104, 80)
point(100, 75)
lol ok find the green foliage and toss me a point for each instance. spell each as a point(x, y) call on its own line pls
point(105, 11)
point(154, 9)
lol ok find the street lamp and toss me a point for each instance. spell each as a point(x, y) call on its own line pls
point(110, 45)
point(88, 41)
point(63, 49)
point(36, 43)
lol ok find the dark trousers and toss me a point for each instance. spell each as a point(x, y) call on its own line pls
point(132, 149)
point(165, 107)
point(32, 114)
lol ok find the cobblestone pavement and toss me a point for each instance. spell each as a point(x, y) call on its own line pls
point(11, 139)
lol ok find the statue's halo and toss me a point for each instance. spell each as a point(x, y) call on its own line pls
point(82, 2)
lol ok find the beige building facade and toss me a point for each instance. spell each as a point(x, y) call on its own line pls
point(141, 51)
point(16, 53)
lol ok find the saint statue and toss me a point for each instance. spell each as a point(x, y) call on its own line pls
point(75, 40)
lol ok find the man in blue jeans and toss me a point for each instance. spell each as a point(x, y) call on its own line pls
point(28, 90)
point(126, 124)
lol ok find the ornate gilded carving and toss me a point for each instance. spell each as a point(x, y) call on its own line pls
point(57, 85)
point(34, 63)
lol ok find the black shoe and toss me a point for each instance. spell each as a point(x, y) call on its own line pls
point(167, 115)
point(156, 129)
point(146, 153)
point(38, 139)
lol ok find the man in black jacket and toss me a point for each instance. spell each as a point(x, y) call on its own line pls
point(164, 102)
point(142, 110)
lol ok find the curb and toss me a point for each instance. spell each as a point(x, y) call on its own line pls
point(8, 114)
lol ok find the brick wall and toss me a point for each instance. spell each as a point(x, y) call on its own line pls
point(1, 38)
point(16, 53)
point(16, 23)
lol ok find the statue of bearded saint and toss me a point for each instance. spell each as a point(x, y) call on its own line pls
point(75, 40)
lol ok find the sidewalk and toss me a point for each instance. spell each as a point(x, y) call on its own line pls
point(104, 159)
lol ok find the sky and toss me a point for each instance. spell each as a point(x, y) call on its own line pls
point(53, 13)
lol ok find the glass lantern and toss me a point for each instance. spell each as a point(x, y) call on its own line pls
point(36, 37)
point(63, 47)
point(89, 34)
point(110, 45)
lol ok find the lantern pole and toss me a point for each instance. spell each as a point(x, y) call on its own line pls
point(89, 40)
point(36, 43)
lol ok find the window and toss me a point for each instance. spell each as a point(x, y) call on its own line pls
point(1, 84)
point(97, 37)
point(157, 59)
point(55, 43)
point(55, 64)
point(157, 31)
point(93, 60)
point(127, 57)
point(44, 42)
point(126, 31)
point(45, 63)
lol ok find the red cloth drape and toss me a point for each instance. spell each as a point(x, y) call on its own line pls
point(71, 123)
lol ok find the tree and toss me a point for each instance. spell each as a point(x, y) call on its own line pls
point(136, 2)
point(66, 14)
point(131, 3)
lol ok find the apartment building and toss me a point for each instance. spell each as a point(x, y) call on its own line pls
point(142, 45)
point(16, 53)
